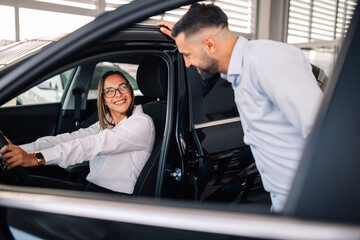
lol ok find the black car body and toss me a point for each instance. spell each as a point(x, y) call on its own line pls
point(199, 154)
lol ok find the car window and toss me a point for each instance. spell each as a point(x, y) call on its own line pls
point(129, 71)
point(49, 91)
point(216, 101)
point(216, 108)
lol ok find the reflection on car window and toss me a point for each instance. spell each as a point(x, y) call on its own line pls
point(216, 101)
point(219, 99)
point(49, 91)
point(129, 71)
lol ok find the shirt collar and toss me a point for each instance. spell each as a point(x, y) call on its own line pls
point(137, 109)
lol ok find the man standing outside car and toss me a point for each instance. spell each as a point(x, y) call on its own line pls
point(275, 91)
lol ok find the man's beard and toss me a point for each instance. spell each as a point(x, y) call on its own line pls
point(211, 68)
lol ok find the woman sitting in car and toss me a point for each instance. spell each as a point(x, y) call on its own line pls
point(117, 146)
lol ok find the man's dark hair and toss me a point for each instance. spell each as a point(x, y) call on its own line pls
point(200, 16)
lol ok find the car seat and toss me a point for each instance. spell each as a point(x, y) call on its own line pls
point(320, 76)
point(152, 79)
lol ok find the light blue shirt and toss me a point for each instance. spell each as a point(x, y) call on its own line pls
point(278, 99)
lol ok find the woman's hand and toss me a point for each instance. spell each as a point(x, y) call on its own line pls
point(8, 140)
point(166, 27)
point(16, 156)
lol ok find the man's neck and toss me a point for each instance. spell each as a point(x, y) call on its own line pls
point(228, 45)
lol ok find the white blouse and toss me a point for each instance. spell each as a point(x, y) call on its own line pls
point(116, 155)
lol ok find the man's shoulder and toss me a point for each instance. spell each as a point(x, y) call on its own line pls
point(264, 47)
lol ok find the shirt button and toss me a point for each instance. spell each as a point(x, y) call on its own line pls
point(262, 170)
point(273, 195)
point(248, 130)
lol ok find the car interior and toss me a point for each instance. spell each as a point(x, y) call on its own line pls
point(149, 78)
point(77, 109)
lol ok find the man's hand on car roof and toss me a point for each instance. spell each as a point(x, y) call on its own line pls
point(166, 27)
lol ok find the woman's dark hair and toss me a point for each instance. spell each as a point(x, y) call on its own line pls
point(200, 16)
point(103, 110)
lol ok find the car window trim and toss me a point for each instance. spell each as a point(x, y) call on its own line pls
point(217, 123)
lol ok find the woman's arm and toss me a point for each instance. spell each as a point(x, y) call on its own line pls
point(16, 156)
point(24, 155)
point(51, 141)
point(135, 134)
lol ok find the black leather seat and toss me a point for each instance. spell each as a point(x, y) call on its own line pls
point(152, 79)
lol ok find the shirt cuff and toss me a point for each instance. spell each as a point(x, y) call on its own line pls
point(27, 148)
point(50, 157)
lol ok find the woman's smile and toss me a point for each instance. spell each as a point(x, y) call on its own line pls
point(117, 102)
point(121, 101)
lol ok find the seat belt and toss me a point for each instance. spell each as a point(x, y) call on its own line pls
point(77, 118)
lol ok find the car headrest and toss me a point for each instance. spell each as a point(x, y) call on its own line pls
point(152, 77)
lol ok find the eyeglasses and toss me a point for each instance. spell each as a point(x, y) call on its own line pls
point(111, 92)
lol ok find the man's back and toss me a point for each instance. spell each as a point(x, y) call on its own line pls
point(277, 98)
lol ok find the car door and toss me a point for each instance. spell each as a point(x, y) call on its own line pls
point(57, 54)
point(35, 112)
point(218, 158)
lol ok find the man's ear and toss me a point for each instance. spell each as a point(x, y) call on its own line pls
point(210, 44)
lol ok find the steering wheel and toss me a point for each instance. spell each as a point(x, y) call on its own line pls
point(18, 171)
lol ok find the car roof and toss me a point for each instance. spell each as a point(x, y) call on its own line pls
point(22, 50)
point(140, 32)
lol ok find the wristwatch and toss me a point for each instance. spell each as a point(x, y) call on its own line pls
point(40, 158)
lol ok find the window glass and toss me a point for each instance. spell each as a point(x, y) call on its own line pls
point(49, 91)
point(73, 3)
point(241, 14)
point(7, 28)
point(129, 71)
point(37, 24)
point(318, 20)
point(219, 101)
point(323, 57)
point(211, 99)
